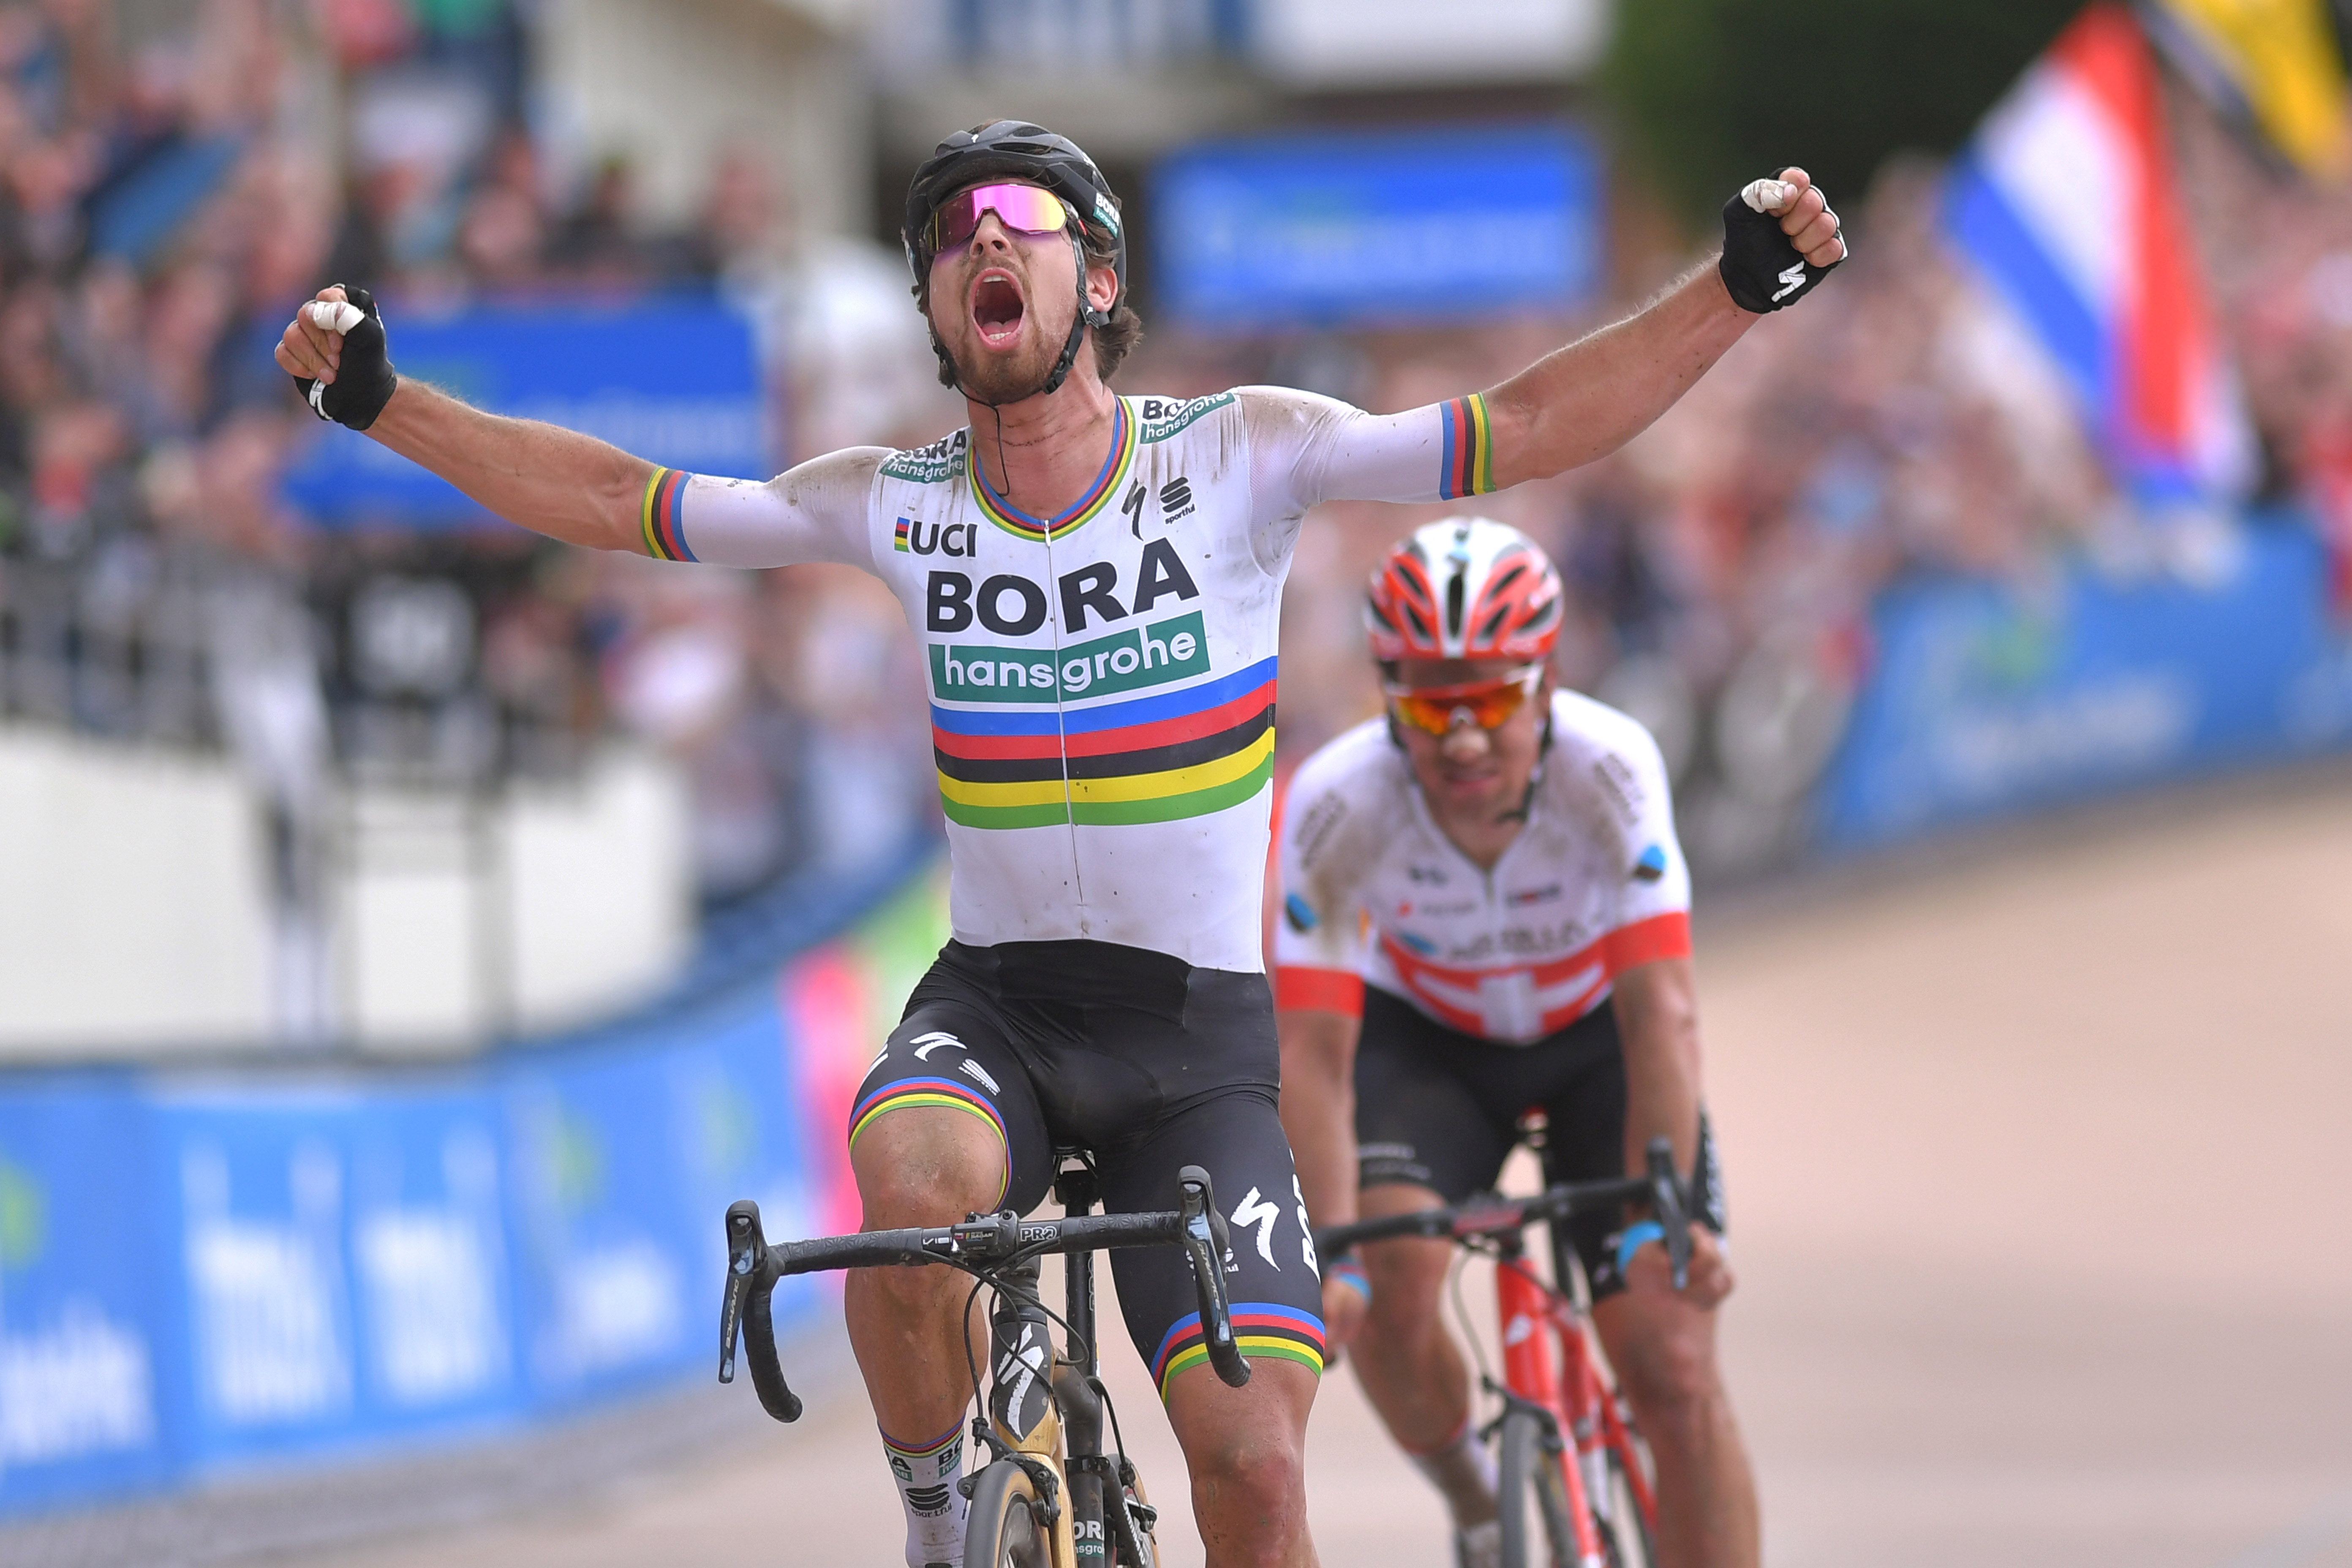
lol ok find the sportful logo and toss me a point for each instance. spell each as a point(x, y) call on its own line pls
point(1168, 650)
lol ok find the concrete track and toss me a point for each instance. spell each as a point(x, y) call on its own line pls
point(2045, 1255)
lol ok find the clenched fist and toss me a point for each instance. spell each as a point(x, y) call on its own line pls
point(1780, 238)
point(336, 351)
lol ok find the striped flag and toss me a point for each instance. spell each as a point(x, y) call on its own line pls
point(2271, 64)
point(2065, 203)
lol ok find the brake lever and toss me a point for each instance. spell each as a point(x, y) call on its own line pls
point(745, 1243)
point(751, 1276)
point(1667, 1205)
point(1205, 1245)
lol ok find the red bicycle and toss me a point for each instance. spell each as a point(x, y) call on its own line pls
point(1573, 1476)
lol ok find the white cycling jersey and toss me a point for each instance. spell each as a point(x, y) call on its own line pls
point(1102, 681)
point(1374, 893)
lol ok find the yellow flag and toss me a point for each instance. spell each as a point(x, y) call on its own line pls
point(2281, 57)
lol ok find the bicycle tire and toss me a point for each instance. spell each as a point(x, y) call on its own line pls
point(1533, 1498)
point(1003, 1530)
point(1626, 1538)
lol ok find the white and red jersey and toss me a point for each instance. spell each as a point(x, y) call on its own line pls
point(1373, 893)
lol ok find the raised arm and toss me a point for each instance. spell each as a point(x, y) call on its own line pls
point(1586, 400)
point(541, 476)
point(1579, 403)
point(562, 483)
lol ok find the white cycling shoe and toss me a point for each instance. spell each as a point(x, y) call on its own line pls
point(1480, 1546)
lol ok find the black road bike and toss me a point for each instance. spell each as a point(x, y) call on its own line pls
point(1049, 1496)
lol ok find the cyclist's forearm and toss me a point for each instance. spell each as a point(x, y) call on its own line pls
point(1318, 1109)
point(1657, 1019)
point(541, 476)
point(1586, 400)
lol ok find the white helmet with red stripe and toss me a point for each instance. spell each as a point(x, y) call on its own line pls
point(1466, 587)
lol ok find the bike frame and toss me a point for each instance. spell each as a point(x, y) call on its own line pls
point(1534, 1322)
point(1550, 1365)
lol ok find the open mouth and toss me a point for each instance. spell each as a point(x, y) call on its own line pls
point(997, 308)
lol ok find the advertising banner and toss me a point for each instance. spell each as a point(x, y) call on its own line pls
point(1985, 698)
point(202, 1275)
point(87, 1339)
point(675, 380)
point(1335, 229)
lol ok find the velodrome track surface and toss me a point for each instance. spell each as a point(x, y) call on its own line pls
point(2033, 1150)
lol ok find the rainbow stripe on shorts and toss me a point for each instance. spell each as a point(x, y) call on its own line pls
point(1261, 1328)
point(944, 1092)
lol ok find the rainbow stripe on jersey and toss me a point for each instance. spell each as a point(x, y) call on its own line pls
point(662, 515)
point(1079, 514)
point(1469, 449)
point(1261, 1328)
point(1156, 759)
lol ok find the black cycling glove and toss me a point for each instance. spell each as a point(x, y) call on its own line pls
point(1761, 267)
point(364, 379)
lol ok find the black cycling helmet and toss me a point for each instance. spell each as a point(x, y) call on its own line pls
point(1015, 149)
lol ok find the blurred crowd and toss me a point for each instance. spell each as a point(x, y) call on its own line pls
point(1899, 426)
point(167, 198)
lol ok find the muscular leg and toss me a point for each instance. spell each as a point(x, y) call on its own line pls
point(918, 1166)
point(1663, 1349)
point(1247, 1450)
point(1406, 1359)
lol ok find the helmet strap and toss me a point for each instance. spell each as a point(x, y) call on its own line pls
point(1087, 316)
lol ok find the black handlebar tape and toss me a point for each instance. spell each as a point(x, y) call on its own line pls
point(1666, 1203)
point(752, 1276)
point(776, 1396)
point(1205, 1244)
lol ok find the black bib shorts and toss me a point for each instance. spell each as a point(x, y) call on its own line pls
point(1149, 1064)
point(1439, 1109)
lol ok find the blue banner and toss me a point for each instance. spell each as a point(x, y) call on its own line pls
point(1986, 699)
point(1339, 229)
point(675, 380)
point(202, 1276)
point(87, 1339)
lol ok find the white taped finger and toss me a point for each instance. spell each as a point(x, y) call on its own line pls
point(1768, 195)
point(335, 315)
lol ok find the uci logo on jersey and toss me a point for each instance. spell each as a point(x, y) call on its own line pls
point(948, 539)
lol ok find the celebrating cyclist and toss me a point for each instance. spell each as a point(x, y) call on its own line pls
point(1095, 580)
point(1485, 911)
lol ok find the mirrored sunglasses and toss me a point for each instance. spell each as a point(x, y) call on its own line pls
point(1442, 709)
point(1022, 207)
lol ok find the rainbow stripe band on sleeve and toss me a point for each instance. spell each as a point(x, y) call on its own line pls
point(1261, 1328)
point(945, 1093)
point(662, 515)
point(1469, 449)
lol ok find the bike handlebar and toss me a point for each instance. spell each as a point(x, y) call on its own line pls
point(753, 1268)
point(1657, 1185)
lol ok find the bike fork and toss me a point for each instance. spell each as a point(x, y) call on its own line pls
point(1525, 1308)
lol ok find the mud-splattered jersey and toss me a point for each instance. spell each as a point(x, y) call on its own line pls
point(1373, 893)
point(1102, 680)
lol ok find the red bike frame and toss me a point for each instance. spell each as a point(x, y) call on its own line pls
point(1571, 1387)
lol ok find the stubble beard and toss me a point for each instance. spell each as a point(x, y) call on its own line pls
point(999, 379)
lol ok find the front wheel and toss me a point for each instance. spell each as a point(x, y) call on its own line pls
point(1532, 1497)
point(1003, 1529)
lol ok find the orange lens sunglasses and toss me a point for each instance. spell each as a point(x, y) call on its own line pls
point(1442, 709)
